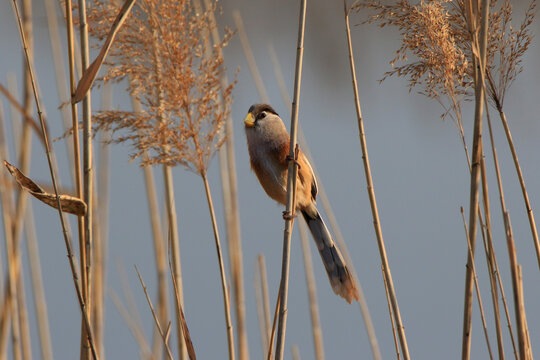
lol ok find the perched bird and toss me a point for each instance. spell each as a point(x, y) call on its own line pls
point(268, 143)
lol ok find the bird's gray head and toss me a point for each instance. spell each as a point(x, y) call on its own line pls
point(257, 113)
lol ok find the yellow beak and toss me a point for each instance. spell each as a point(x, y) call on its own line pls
point(249, 120)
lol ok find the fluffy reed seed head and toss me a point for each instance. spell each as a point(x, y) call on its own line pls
point(436, 35)
point(162, 53)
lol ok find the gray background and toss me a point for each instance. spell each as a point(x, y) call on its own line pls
point(420, 175)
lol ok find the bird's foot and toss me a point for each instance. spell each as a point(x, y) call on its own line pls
point(287, 215)
point(295, 158)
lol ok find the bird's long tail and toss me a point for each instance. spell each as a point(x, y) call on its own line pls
point(340, 277)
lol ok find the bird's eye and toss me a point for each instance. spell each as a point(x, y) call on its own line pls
point(262, 115)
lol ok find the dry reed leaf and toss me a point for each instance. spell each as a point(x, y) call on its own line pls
point(69, 204)
point(90, 74)
point(187, 337)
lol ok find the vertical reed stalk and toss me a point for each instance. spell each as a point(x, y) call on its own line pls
point(232, 212)
point(484, 326)
point(519, 308)
point(86, 250)
point(67, 241)
point(528, 206)
point(226, 304)
point(394, 335)
point(373, 201)
point(490, 256)
point(263, 303)
point(334, 226)
point(159, 245)
point(312, 294)
point(479, 43)
point(292, 172)
point(40, 302)
point(503, 210)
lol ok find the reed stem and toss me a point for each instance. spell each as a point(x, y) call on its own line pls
point(373, 201)
point(224, 286)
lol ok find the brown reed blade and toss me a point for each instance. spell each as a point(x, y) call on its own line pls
point(89, 75)
point(69, 204)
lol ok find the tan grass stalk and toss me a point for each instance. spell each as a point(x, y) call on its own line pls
point(334, 226)
point(249, 57)
point(394, 335)
point(187, 338)
point(295, 352)
point(23, 318)
point(5, 306)
point(59, 70)
point(291, 186)
point(154, 315)
point(517, 286)
point(528, 207)
point(490, 256)
point(503, 209)
point(232, 213)
point(101, 227)
point(479, 43)
point(312, 294)
point(10, 306)
point(224, 286)
point(133, 325)
point(274, 324)
point(86, 249)
point(263, 310)
point(40, 302)
point(67, 241)
point(158, 241)
point(373, 202)
point(484, 326)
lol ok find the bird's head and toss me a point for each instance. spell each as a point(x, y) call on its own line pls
point(258, 113)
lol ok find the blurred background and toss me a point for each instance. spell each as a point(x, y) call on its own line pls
point(419, 171)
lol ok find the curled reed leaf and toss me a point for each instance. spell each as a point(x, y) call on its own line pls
point(69, 204)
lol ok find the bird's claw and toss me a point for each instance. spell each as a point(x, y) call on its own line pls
point(288, 215)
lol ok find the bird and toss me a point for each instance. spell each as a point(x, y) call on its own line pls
point(268, 145)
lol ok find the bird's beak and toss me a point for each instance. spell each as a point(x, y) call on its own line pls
point(249, 120)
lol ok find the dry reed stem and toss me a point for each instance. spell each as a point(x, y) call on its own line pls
point(40, 301)
point(133, 326)
point(334, 226)
point(528, 207)
point(224, 286)
point(518, 293)
point(295, 352)
point(490, 251)
point(262, 315)
point(372, 199)
point(249, 57)
point(158, 241)
point(232, 214)
point(478, 45)
point(67, 241)
point(187, 338)
point(312, 294)
point(75, 125)
point(5, 200)
point(26, 117)
point(154, 315)
point(274, 325)
point(394, 335)
point(292, 173)
point(503, 210)
point(265, 298)
point(480, 304)
point(86, 249)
